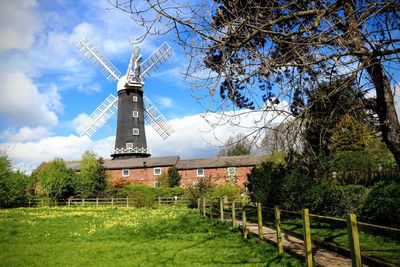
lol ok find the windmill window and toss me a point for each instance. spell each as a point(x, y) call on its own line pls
point(134, 98)
point(129, 145)
point(157, 171)
point(135, 114)
point(135, 131)
point(125, 173)
point(200, 172)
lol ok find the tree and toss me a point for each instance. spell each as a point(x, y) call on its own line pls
point(236, 146)
point(13, 185)
point(55, 180)
point(93, 178)
point(262, 52)
point(282, 138)
point(335, 112)
point(174, 178)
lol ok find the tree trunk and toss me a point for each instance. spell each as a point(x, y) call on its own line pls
point(389, 122)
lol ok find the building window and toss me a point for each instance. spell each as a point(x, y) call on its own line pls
point(135, 131)
point(231, 171)
point(157, 184)
point(231, 175)
point(157, 171)
point(129, 145)
point(134, 98)
point(125, 173)
point(135, 114)
point(200, 172)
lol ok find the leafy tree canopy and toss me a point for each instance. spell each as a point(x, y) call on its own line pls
point(55, 180)
point(257, 53)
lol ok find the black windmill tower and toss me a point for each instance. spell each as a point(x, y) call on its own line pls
point(133, 107)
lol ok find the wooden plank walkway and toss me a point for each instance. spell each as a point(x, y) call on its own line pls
point(291, 244)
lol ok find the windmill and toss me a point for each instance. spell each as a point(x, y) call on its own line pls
point(132, 106)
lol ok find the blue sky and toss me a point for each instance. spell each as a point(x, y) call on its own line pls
point(48, 88)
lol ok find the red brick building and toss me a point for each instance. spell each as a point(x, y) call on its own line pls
point(148, 170)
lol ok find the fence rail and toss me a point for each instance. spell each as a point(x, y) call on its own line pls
point(107, 202)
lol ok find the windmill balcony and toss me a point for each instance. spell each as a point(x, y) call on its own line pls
point(135, 150)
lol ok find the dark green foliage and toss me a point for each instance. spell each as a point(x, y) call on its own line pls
point(55, 180)
point(333, 200)
point(265, 183)
point(382, 205)
point(174, 178)
point(296, 189)
point(13, 185)
point(328, 105)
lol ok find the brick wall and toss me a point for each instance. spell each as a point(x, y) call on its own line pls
point(218, 176)
point(137, 176)
point(189, 177)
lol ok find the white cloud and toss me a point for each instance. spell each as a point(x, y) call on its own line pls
point(28, 155)
point(22, 104)
point(24, 134)
point(165, 101)
point(19, 24)
point(77, 121)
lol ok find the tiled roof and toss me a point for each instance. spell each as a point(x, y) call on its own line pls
point(220, 162)
point(181, 164)
point(131, 163)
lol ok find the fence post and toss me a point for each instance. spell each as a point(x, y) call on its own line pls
point(97, 201)
point(198, 205)
point(260, 224)
point(159, 200)
point(112, 201)
point(69, 201)
point(278, 230)
point(211, 211)
point(83, 201)
point(221, 209)
point(307, 238)
point(127, 202)
point(233, 213)
point(55, 202)
point(42, 202)
point(354, 240)
point(29, 202)
point(176, 199)
point(244, 221)
point(204, 207)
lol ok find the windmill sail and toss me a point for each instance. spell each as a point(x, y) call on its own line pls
point(154, 117)
point(99, 117)
point(152, 62)
point(106, 68)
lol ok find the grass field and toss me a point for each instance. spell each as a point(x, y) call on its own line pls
point(88, 236)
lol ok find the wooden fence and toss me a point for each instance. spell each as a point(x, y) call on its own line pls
point(233, 209)
point(107, 202)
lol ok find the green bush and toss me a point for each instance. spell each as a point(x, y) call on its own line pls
point(168, 191)
point(334, 200)
point(265, 182)
point(295, 190)
point(140, 195)
point(55, 180)
point(225, 190)
point(382, 205)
